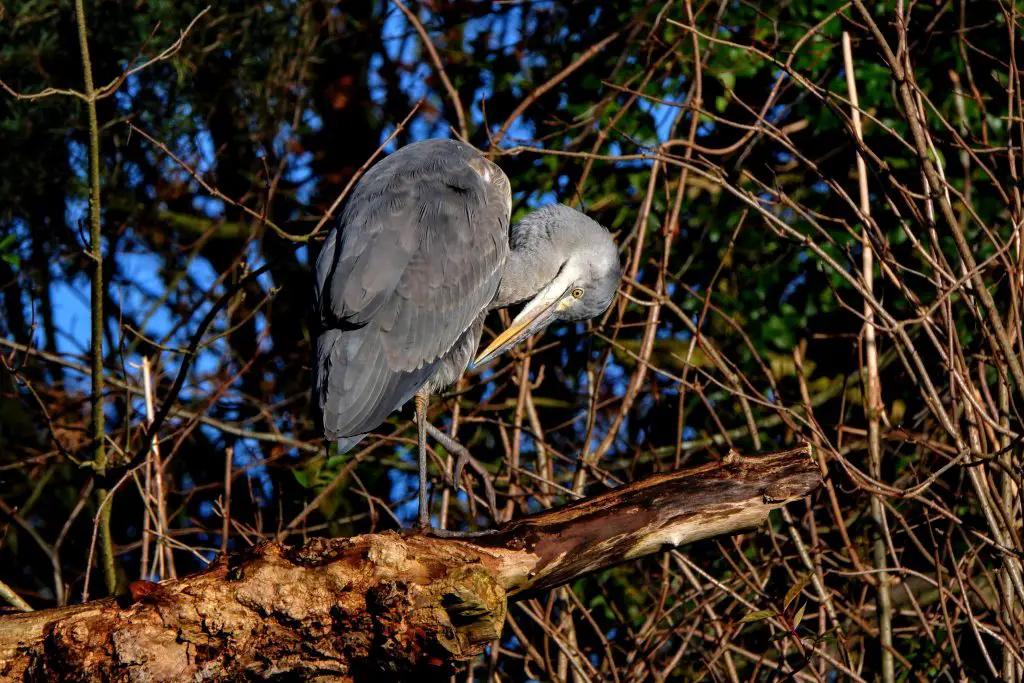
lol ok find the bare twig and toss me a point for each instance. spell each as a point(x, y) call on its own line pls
point(225, 531)
point(435, 59)
point(13, 598)
point(362, 169)
point(156, 464)
point(99, 461)
point(873, 397)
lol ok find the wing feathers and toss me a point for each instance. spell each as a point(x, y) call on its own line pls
point(415, 258)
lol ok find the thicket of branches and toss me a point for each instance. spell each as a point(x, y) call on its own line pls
point(820, 215)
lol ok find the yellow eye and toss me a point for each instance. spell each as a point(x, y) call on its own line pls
point(577, 293)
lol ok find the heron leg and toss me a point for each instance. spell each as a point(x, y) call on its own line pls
point(421, 423)
point(462, 457)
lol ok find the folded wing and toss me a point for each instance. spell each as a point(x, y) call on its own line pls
point(416, 256)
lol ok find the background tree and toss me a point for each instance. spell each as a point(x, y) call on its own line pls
point(716, 140)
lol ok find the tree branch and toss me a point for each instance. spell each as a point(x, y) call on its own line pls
point(400, 605)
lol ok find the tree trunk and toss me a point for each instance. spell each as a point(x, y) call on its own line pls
point(385, 605)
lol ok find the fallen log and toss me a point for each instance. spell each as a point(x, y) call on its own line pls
point(385, 604)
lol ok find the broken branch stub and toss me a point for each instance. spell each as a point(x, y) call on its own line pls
point(386, 604)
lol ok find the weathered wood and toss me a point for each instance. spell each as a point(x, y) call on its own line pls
point(385, 604)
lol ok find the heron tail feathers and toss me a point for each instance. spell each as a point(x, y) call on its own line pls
point(347, 443)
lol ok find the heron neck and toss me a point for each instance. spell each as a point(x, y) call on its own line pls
point(526, 272)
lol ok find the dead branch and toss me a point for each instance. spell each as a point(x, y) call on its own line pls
point(386, 604)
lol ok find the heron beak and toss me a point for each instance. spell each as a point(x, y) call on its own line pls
point(534, 317)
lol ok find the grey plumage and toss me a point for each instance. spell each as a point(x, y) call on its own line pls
point(421, 252)
point(553, 238)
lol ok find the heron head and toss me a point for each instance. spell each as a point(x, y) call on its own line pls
point(566, 267)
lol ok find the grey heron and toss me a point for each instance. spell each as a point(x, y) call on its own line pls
point(422, 251)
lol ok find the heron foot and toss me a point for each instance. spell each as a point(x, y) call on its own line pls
point(462, 458)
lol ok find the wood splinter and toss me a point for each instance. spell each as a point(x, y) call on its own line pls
point(386, 604)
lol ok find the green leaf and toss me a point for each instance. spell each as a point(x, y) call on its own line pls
point(11, 258)
point(757, 616)
point(335, 461)
point(779, 333)
point(795, 589)
point(300, 476)
point(329, 504)
point(7, 241)
point(799, 615)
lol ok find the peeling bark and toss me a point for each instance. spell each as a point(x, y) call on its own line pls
point(389, 605)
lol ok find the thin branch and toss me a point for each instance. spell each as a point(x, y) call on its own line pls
point(549, 84)
point(873, 405)
point(173, 49)
point(261, 218)
point(13, 598)
point(176, 411)
point(362, 169)
point(99, 461)
point(453, 94)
